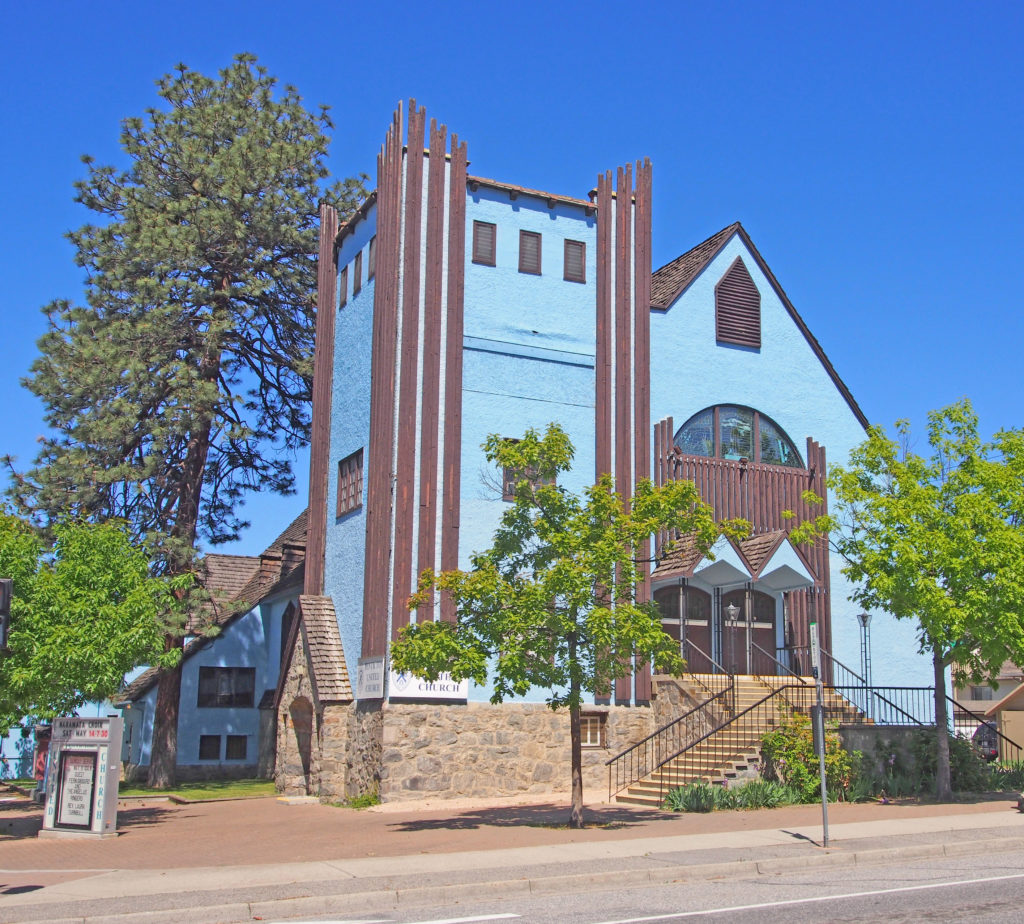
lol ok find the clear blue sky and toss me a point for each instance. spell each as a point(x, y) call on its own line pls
point(873, 151)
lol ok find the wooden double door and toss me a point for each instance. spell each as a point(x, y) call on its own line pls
point(732, 631)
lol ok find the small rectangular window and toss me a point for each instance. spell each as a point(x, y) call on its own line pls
point(357, 273)
point(343, 288)
point(226, 686)
point(592, 731)
point(509, 477)
point(350, 483)
point(209, 747)
point(529, 252)
point(371, 259)
point(485, 238)
point(575, 261)
point(237, 747)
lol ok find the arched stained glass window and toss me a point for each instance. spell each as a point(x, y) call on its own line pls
point(731, 431)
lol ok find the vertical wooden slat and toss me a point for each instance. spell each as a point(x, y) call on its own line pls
point(431, 387)
point(382, 390)
point(623, 360)
point(320, 428)
point(603, 345)
point(408, 373)
point(454, 313)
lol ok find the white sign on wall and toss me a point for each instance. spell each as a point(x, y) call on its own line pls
point(409, 686)
point(370, 678)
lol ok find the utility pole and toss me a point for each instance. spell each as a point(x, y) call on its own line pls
point(818, 726)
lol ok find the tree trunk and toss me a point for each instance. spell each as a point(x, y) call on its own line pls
point(163, 751)
point(576, 813)
point(943, 783)
point(163, 755)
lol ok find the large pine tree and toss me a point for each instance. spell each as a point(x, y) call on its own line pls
point(184, 381)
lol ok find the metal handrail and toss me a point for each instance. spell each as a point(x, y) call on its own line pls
point(778, 663)
point(728, 701)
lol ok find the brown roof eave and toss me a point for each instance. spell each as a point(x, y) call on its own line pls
point(360, 213)
point(473, 182)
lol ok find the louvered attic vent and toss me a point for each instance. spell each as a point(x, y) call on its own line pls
point(737, 308)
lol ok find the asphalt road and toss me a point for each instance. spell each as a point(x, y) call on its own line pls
point(978, 889)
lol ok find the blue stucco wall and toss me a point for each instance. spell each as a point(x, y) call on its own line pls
point(528, 357)
point(251, 640)
point(350, 431)
point(785, 380)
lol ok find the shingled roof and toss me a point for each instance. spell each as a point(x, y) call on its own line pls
point(757, 550)
point(681, 561)
point(326, 655)
point(669, 282)
point(237, 583)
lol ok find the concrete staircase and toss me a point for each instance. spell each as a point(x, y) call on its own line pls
point(733, 751)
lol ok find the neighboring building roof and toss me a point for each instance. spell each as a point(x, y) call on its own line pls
point(326, 655)
point(671, 280)
point(1014, 700)
point(239, 583)
point(281, 563)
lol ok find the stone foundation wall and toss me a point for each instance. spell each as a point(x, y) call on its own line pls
point(479, 749)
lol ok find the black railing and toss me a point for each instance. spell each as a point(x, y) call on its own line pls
point(765, 664)
point(734, 744)
point(704, 670)
point(644, 757)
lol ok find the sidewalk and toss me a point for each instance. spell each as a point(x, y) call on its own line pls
point(236, 861)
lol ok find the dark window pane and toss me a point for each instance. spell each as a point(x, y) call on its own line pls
point(371, 259)
point(343, 288)
point(776, 447)
point(696, 437)
point(237, 747)
point(209, 747)
point(226, 686)
point(350, 483)
point(357, 273)
point(736, 432)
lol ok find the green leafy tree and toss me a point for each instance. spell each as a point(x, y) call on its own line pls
point(940, 541)
point(184, 381)
point(84, 612)
point(553, 602)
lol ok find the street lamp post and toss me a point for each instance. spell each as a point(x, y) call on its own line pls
point(865, 657)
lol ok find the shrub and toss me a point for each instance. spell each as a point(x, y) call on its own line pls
point(968, 770)
point(789, 758)
point(693, 797)
point(1008, 776)
point(765, 794)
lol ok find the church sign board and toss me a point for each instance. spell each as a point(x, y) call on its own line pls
point(82, 776)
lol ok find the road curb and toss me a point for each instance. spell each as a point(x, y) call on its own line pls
point(420, 896)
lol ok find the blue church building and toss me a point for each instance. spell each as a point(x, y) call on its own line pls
point(452, 307)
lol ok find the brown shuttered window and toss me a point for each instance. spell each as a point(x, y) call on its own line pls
point(529, 252)
point(350, 483)
point(357, 273)
point(738, 308)
point(485, 237)
point(575, 261)
point(371, 259)
point(343, 288)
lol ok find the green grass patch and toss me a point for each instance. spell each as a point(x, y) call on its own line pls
point(206, 789)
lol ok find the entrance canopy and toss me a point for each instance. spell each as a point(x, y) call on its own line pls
point(768, 561)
